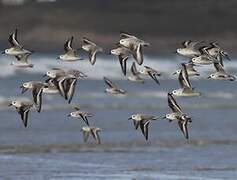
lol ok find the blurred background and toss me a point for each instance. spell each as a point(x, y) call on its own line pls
point(52, 146)
point(46, 24)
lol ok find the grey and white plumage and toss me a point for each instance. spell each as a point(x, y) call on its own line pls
point(216, 51)
point(94, 131)
point(123, 54)
point(142, 121)
point(204, 58)
point(186, 88)
point(151, 72)
point(65, 81)
point(189, 49)
point(177, 115)
point(134, 44)
point(37, 90)
point(52, 86)
point(81, 114)
point(92, 48)
point(15, 49)
point(112, 88)
point(135, 75)
point(220, 73)
point(23, 109)
point(22, 61)
point(59, 72)
point(190, 70)
point(70, 54)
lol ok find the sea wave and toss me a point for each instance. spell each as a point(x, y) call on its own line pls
point(131, 146)
point(105, 66)
point(113, 104)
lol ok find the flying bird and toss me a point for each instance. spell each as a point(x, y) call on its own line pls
point(15, 49)
point(177, 115)
point(70, 54)
point(94, 131)
point(186, 88)
point(92, 48)
point(112, 88)
point(23, 109)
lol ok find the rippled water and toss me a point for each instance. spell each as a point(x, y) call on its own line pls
point(52, 146)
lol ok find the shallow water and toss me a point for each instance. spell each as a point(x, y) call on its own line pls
point(52, 146)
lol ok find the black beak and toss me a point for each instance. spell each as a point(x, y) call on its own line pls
point(209, 77)
point(44, 75)
point(69, 115)
point(164, 117)
point(174, 73)
point(3, 52)
point(10, 104)
point(58, 57)
point(129, 118)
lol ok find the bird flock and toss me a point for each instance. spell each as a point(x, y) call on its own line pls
point(63, 81)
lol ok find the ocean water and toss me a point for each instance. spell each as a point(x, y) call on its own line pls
point(52, 146)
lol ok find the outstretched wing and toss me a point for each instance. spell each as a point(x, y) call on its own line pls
point(123, 63)
point(85, 136)
point(88, 41)
point(183, 77)
point(68, 45)
point(218, 67)
point(95, 135)
point(13, 39)
point(144, 125)
point(173, 104)
point(126, 35)
point(109, 83)
point(183, 127)
point(37, 96)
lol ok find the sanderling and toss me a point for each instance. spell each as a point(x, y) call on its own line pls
point(23, 109)
point(37, 89)
point(134, 44)
point(190, 70)
point(205, 58)
point(70, 53)
point(220, 73)
point(22, 61)
point(142, 121)
point(92, 49)
point(151, 72)
point(135, 74)
point(112, 88)
point(215, 50)
point(186, 88)
point(16, 48)
point(65, 81)
point(52, 86)
point(123, 54)
point(177, 115)
point(189, 49)
point(81, 114)
point(94, 132)
point(66, 86)
point(58, 72)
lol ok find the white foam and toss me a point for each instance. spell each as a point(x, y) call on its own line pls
point(105, 66)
